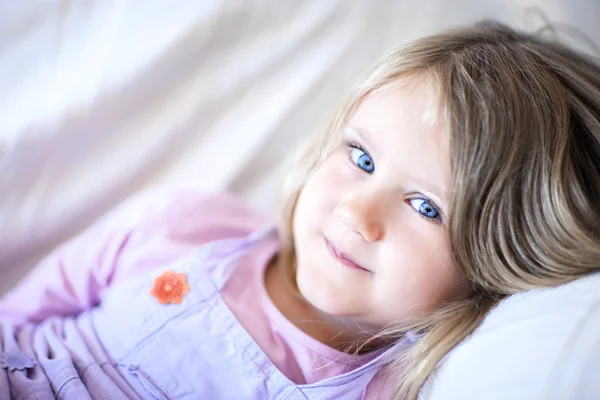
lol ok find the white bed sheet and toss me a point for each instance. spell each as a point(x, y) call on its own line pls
point(102, 99)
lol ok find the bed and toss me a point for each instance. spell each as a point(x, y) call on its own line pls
point(101, 100)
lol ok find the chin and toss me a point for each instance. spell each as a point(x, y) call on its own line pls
point(326, 296)
point(340, 308)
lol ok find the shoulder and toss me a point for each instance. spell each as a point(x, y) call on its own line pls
point(187, 213)
point(538, 344)
point(161, 225)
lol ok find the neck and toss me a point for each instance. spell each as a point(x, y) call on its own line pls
point(336, 332)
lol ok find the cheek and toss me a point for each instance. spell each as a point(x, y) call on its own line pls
point(308, 207)
point(329, 173)
point(319, 191)
point(420, 275)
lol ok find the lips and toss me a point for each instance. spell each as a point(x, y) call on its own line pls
point(343, 258)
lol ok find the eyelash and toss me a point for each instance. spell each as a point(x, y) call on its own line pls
point(438, 220)
point(350, 144)
point(355, 145)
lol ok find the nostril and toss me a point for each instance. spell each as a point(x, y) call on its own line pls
point(372, 232)
point(362, 217)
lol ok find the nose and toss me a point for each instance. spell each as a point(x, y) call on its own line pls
point(361, 214)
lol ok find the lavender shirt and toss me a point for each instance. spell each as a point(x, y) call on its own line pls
point(72, 331)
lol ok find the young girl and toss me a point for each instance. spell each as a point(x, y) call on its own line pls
point(462, 170)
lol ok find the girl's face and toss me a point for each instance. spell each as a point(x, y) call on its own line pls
point(370, 223)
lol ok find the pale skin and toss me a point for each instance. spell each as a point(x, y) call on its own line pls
point(370, 225)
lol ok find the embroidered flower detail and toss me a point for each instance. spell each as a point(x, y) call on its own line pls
point(170, 287)
point(16, 360)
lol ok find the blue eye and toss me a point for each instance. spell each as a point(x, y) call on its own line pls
point(362, 160)
point(425, 208)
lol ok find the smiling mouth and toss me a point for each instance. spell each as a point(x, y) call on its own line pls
point(342, 258)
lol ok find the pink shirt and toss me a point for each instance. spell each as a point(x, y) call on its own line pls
point(155, 229)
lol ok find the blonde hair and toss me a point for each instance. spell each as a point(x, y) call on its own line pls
point(524, 120)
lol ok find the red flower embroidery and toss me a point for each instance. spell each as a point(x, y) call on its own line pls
point(170, 287)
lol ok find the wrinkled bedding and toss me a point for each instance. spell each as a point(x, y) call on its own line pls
point(101, 100)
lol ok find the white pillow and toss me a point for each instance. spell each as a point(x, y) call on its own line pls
point(542, 344)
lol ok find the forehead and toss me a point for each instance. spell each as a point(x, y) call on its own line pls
point(408, 133)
